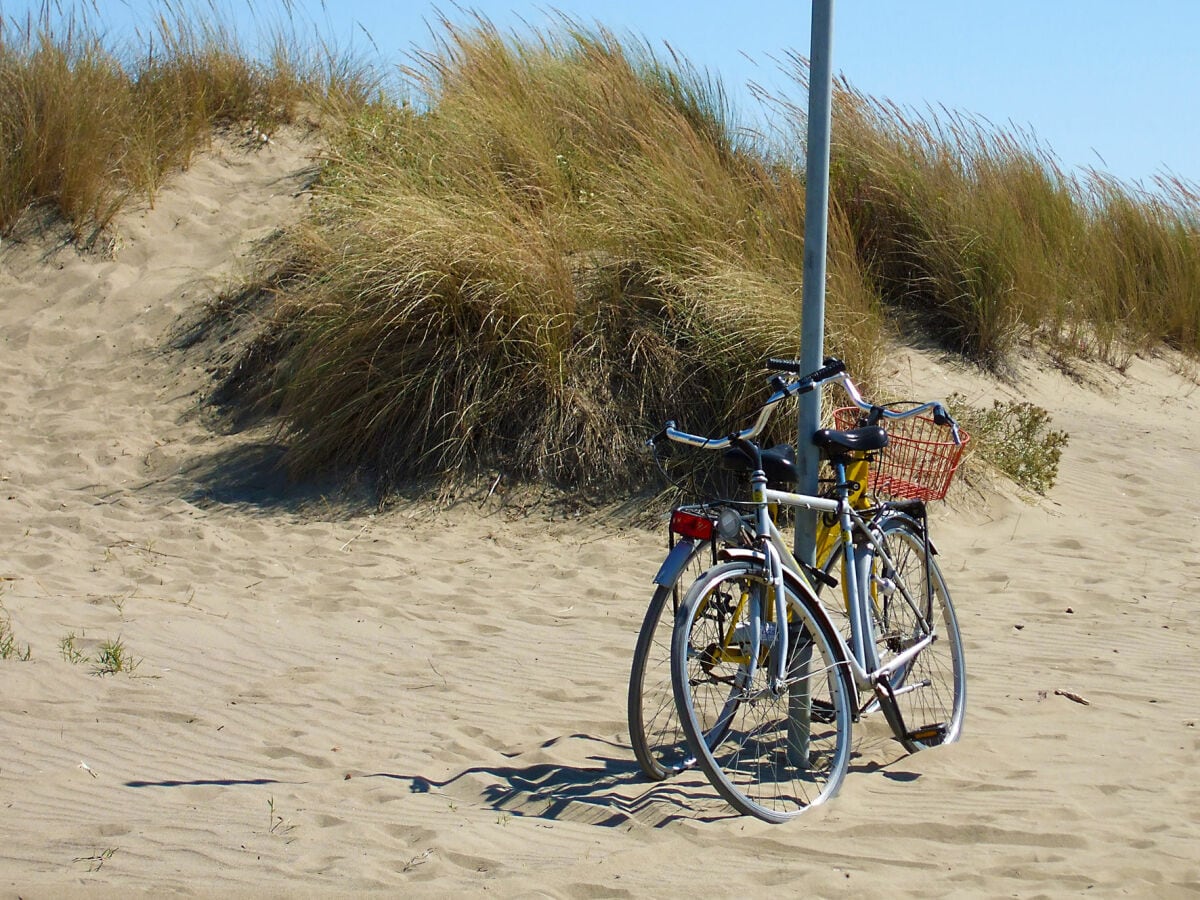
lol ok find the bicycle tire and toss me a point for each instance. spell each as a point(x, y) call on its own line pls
point(930, 693)
point(749, 743)
point(658, 740)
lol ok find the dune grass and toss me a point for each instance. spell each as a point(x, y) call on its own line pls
point(540, 246)
point(981, 238)
point(561, 242)
point(566, 239)
point(87, 126)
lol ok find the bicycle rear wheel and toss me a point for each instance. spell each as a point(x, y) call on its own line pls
point(771, 753)
point(928, 699)
point(655, 732)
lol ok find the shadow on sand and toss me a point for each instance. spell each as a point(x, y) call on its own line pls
point(253, 475)
point(607, 791)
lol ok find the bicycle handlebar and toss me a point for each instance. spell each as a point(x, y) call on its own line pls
point(834, 370)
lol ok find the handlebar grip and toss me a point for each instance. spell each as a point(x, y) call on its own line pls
point(791, 366)
point(661, 436)
point(833, 366)
point(941, 416)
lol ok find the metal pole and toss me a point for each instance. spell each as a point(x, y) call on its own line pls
point(812, 348)
point(816, 229)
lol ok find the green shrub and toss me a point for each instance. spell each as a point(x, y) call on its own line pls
point(1015, 437)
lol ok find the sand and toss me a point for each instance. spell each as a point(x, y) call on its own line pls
point(423, 701)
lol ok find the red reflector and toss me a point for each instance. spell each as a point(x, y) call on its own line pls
point(690, 525)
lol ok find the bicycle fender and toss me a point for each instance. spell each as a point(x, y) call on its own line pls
point(742, 554)
point(677, 558)
point(919, 528)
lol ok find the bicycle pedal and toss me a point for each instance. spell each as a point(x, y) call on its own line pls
point(928, 734)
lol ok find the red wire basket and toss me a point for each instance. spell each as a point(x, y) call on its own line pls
point(920, 458)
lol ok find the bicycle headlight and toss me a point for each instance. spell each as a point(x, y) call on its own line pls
point(729, 524)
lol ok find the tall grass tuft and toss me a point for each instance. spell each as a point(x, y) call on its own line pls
point(960, 228)
point(976, 236)
point(1143, 252)
point(85, 126)
point(562, 242)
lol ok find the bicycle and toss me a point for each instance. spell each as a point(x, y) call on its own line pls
point(656, 733)
point(765, 686)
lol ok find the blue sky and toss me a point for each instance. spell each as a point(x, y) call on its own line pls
point(1105, 84)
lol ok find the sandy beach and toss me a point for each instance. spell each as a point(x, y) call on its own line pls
point(428, 701)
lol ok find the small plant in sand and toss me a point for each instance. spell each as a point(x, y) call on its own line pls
point(113, 657)
point(9, 648)
point(419, 860)
point(275, 822)
point(119, 603)
point(1016, 438)
point(96, 861)
point(70, 652)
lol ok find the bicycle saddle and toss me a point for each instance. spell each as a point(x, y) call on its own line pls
point(779, 462)
point(855, 440)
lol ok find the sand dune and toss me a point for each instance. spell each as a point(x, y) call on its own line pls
point(431, 702)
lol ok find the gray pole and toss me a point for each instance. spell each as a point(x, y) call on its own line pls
point(812, 341)
point(816, 228)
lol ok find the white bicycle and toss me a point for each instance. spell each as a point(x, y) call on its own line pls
point(766, 686)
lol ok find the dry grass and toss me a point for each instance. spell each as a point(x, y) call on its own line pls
point(85, 126)
point(558, 240)
point(563, 242)
point(977, 237)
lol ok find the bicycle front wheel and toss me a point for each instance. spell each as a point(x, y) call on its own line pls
point(772, 751)
point(910, 600)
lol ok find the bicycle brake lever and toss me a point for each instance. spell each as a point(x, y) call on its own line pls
point(941, 416)
point(654, 442)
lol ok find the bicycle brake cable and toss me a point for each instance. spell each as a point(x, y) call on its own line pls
point(678, 485)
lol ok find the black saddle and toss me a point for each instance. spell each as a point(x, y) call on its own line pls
point(855, 440)
point(779, 462)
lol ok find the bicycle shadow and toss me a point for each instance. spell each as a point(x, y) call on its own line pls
point(606, 790)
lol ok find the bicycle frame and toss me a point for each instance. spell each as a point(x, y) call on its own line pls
point(864, 671)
